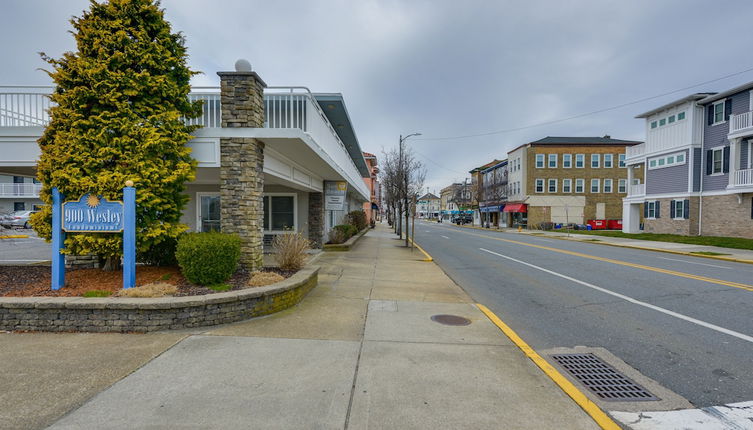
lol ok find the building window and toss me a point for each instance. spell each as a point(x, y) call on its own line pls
point(580, 160)
point(653, 124)
point(595, 161)
point(279, 212)
point(651, 209)
point(608, 161)
point(622, 186)
point(567, 161)
point(552, 187)
point(552, 161)
point(607, 185)
point(718, 112)
point(539, 185)
point(681, 116)
point(579, 185)
point(717, 161)
point(621, 157)
point(668, 160)
point(595, 185)
point(671, 119)
point(678, 209)
point(19, 206)
point(662, 121)
point(539, 161)
point(208, 212)
point(567, 185)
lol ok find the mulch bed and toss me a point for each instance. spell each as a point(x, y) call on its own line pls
point(34, 281)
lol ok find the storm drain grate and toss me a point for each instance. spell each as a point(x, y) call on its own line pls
point(604, 380)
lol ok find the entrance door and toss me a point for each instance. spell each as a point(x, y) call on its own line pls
point(208, 212)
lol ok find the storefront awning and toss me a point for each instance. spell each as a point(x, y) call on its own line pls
point(496, 208)
point(516, 207)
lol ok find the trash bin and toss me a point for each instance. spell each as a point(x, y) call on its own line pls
point(588, 227)
point(597, 224)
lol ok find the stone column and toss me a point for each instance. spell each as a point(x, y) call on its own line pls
point(242, 162)
point(316, 219)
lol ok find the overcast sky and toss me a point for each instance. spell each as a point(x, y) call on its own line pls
point(443, 68)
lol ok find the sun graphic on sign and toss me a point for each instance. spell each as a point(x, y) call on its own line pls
point(92, 201)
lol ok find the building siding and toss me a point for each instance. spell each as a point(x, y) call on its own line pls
point(715, 136)
point(668, 179)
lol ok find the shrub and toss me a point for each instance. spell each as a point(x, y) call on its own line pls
point(259, 279)
point(337, 236)
point(160, 254)
point(208, 258)
point(357, 219)
point(348, 230)
point(290, 250)
point(157, 289)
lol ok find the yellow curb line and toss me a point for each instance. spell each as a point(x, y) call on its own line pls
point(601, 418)
point(428, 257)
point(15, 236)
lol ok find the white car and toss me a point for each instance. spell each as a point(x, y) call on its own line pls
point(17, 219)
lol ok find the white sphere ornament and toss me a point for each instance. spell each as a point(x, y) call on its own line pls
point(129, 183)
point(242, 65)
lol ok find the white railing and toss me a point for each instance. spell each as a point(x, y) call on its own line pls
point(635, 150)
point(744, 177)
point(637, 190)
point(211, 115)
point(740, 122)
point(24, 106)
point(20, 190)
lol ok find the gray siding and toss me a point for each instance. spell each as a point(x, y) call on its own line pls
point(743, 155)
point(668, 179)
point(715, 136)
point(697, 168)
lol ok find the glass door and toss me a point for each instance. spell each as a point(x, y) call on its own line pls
point(209, 212)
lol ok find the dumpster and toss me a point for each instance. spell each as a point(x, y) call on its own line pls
point(614, 224)
point(598, 224)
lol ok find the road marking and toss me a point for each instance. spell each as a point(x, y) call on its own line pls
point(571, 390)
point(625, 263)
point(714, 327)
point(428, 257)
point(445, 237)
point(693, 262)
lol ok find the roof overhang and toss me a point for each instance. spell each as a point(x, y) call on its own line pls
point(723, 94)
point(690, 98)
point(334, 108)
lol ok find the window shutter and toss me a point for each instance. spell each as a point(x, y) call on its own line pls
point(657, 206)
point(645, 210)
point(686, 209)
point(725, 163)
point(727, 109)
point(710, 114)
point(709, 161)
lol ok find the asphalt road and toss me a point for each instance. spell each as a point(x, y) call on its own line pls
point(22, 251)
point(684, 321)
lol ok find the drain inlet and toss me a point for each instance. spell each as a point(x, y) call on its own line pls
point(602, 379)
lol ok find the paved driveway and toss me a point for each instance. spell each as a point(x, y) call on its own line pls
point(22, 251)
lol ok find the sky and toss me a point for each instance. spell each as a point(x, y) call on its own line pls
point(444, 68)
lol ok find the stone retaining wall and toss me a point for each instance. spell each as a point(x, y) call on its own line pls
point(145, 315)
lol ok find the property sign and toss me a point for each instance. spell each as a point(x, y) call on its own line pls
point(92, 214)
point(334, 195)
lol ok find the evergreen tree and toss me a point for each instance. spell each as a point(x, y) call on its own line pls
point(120, 99)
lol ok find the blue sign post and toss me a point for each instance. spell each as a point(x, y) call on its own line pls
point(94, 214)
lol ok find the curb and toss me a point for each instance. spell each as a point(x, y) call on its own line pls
point(428, 257)
point(347, 245)
point(600, 417)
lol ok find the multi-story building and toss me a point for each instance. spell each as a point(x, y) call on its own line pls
point(428, 206)
point(454, 200)
point(295, 146)
point(19, 193)
point(671, 160)
point(371, 208)
point(701, 182)
point(476, 190)
point(494, 180)
point(567, 180)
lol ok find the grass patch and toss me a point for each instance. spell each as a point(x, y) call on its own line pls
point(724, 242)
point(166, 277)
point(260, 279)
point(220, 287)
point(97, 293)
point(708, 253)
point(157, 289)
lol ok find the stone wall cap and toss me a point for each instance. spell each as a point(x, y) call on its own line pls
point(252, 74)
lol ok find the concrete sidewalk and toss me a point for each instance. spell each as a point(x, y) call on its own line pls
point(360, 351)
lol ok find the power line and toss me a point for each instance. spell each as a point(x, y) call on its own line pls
point(437, 164)
point(525, 127)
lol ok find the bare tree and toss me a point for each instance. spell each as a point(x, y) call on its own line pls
point(403, 178)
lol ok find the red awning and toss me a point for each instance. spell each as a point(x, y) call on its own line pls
point(516, 207)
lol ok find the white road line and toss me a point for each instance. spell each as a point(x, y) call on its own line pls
point(22, 261)
point(714, 327)
point(692, 262)
point(445, 237)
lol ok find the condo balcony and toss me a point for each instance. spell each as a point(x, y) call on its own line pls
point(741, 125)
point(635, 153)
point(20, 190)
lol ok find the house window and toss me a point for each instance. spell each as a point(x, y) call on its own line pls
point(208, 213)
point(622, 186)
point(567, 185)
point(608, 161)
point(580, 160)
point(567, 161)
point(621, 157)
point(552, 161)
point(681, 116)
point(19, 206)
point(279, 212)
point(651, 209)
point(680, 158)
point(607, 185)
point(539, 161)
point(678, 209)
point(595, 185)
point(717, 159)
point(653, 124)
point(662, 121)
point(671, 119)
point(579, 185)
point(595, 161)
point(539, 185)
point(552, 186)
point(718, 112)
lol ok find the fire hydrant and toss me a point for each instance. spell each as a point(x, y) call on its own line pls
point(520, 229)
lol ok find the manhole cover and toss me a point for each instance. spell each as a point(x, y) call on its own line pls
point(604, 380)
point(450, 320)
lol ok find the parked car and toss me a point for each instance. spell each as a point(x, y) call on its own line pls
point(17, 219)
point(462, 219)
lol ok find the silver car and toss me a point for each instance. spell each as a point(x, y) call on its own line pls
point(17, 219)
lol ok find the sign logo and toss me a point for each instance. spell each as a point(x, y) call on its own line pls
point(92, 214)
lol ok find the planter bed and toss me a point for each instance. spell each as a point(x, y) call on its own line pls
point(345, 246)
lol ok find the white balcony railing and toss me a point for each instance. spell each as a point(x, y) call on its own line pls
point(743, 177)
point(637, 190)
point(635, 151)
point(741, 123)
point(20, 190)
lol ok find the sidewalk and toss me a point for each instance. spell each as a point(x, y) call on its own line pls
point(359, 352)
